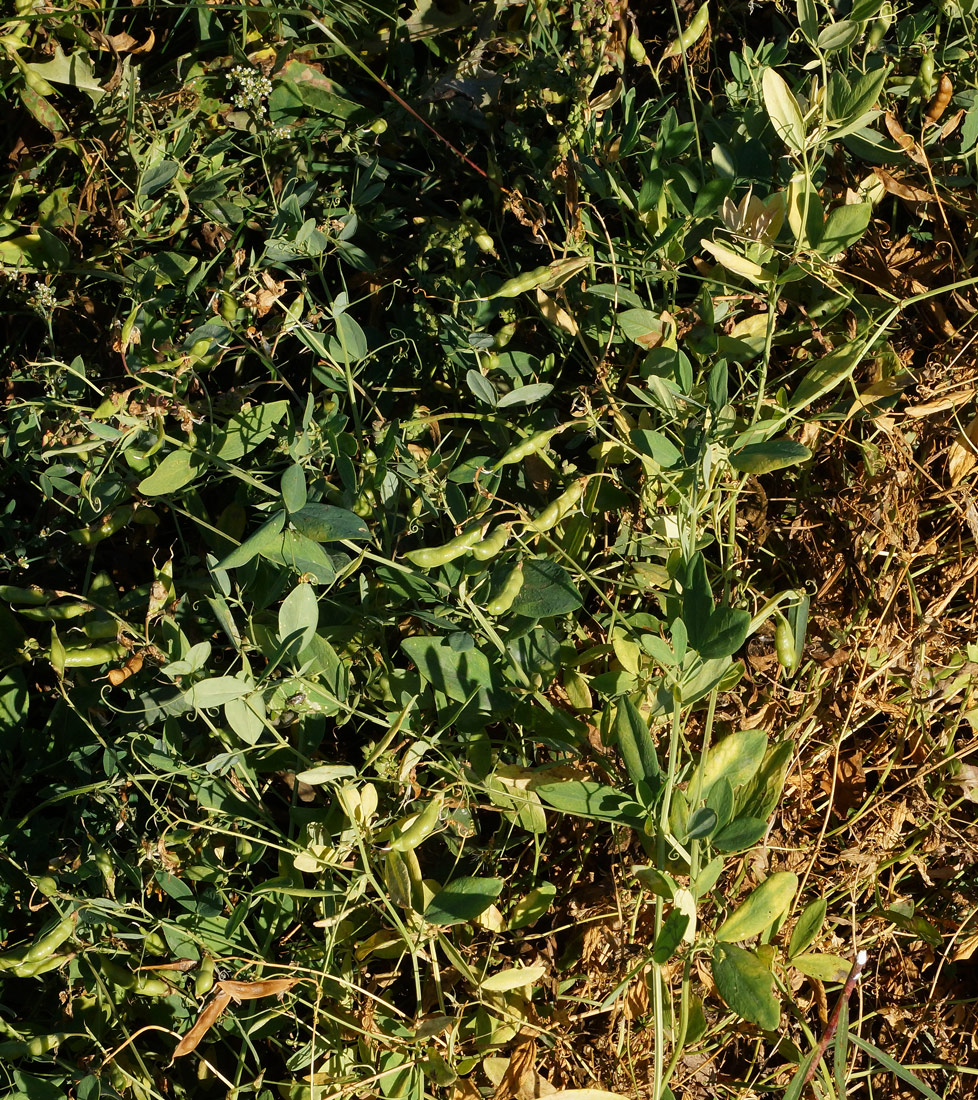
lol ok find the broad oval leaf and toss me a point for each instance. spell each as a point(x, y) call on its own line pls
point(547, 590)
point(744, 983)
point(783, 109)
point(298, 618)
point(176, 471)
point(327, 523)
point(824, 967)
point(216, 691)
point(734, 758)
point(775, 454)
point(463, 900)
point(514, 977)
point(762, 908)
point(525, 395)
point(807, 927)
point(264, 539)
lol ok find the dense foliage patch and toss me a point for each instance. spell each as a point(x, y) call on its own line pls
point(460, 464)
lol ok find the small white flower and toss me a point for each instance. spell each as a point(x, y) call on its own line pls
point(254, 88)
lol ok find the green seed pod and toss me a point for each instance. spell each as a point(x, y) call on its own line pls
point(881, 25)
point(46, 946)
point(93, 656)
point(532, 444)
point(57, 613)
point(691, 35)
point(204, 979)
point(431, 556)
point(501, 603)
point(38, 967)
point(18, 597)
point(418, 827)
point(490, 546)
point(113, 522)
point(784, 644)
point(559, 508)
point(529, 280)
point(35, 1047)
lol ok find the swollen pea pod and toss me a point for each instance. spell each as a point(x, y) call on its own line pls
point(418, 827)
point(59, 612)
point(557, 509)
point(93, 656)
point(503, 601)
point(879, 28)
point(429, 557)
point(491, 545)
point(41, 950)
point(35, 1047)
point(204, 979)
point(137, 983)
point(533, 444)
point(24, 597)
point(924, 82)
point(784, 644)
point(113, 522)
point(691, 35)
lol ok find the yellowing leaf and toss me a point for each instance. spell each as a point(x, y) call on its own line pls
point(784, 110)
point(515, 977)
point(738, 264)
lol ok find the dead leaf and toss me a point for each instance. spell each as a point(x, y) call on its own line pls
point(520, 1063)
point(556, 315)
point(963, 455)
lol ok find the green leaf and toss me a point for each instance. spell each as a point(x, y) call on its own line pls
point(734, 758)
point(744, 983)
point(701, 823)
point(177, 470)
point(298, 618)
point(758, 797)
point(658, 882)
point(326, 773)
point(589, 799)
point(216, 692)
point(726, 631)
point(327, 523)
point(741, 833)
point(463, 900)
point(459, 674)
point(349, 345)
point(300, 555)
point(157, 176)
point(824, 967)
point(670, 936)
point(525, 395)
point(532, 906)
point(246, 429)
point(294, 488)
point(784, 111)
point(265, 537)
point(761, 909)
point(656, 446)
point(246, 717)
point(838, 36)
point(830, 371)
point(641, 326)
point(547, 591)
point(845, 225)
point(14, 700)
point(481, 387)
point(775, 454)
point(807, 927)
point(807, 18)
point(74, 70)
point(887, 1062)
point(635, 744)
